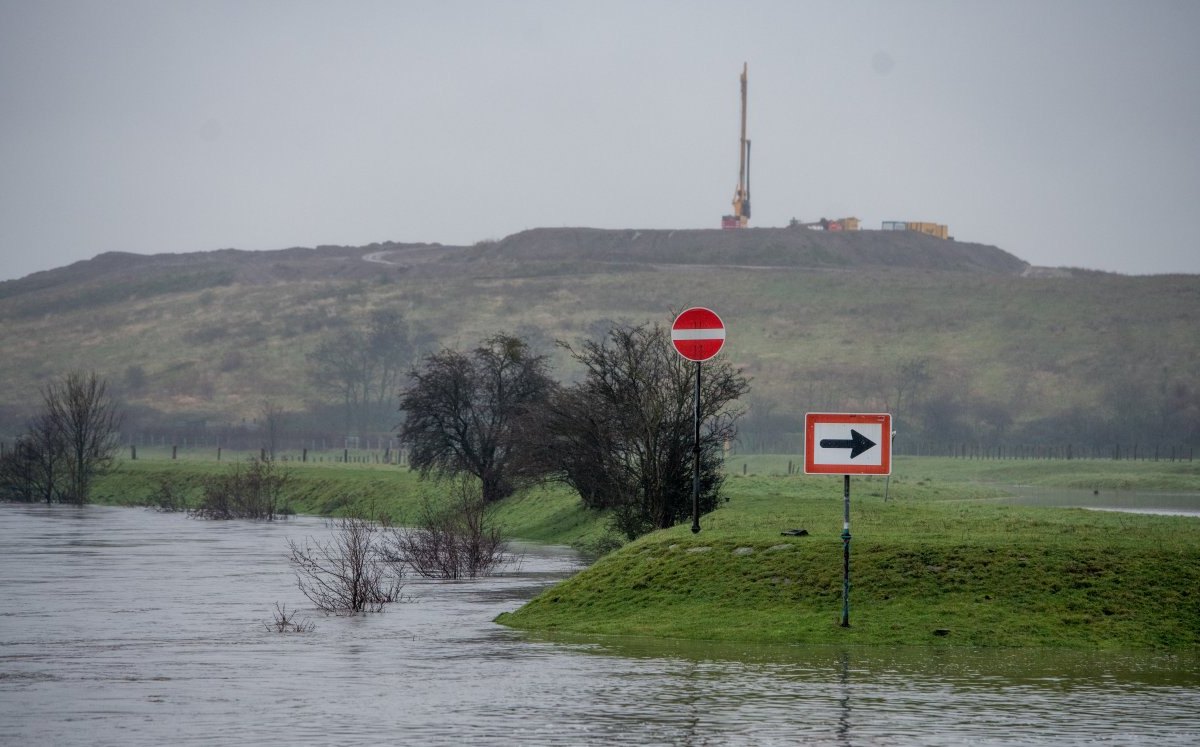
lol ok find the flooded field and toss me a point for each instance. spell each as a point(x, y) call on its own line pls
point(130, 627)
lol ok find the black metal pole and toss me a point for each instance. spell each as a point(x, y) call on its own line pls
point(846, 552)
point(696, 461)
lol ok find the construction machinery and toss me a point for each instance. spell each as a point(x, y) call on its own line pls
point(828, 224)
point(741, 195)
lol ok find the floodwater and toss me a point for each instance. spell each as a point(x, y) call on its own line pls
point(124, 626)
point(1130, 501)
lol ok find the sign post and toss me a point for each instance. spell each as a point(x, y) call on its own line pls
point(847, 444)
point(697, 334)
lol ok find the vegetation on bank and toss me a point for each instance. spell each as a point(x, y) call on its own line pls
point(941, 562)
point(937, 564)
point(551, 514)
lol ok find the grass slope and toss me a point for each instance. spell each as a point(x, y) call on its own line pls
point(817, 320)
point(937, 565)
point(549, 514)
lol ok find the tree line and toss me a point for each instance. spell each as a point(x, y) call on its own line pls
point(622, 436)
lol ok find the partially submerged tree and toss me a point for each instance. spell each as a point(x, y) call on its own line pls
point(66, 446)
point(255, 491)
point(462, 413)
point(86, 420)
point(623, 436)
point(458, 539)
point(349, 573)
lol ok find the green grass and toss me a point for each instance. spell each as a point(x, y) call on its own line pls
point(549, 514)
point(935, 566)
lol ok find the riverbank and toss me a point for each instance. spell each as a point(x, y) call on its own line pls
point(939, 562)
point(549, 515)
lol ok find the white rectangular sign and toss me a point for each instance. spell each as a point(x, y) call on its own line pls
point(848, 443)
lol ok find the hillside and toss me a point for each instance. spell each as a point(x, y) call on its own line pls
point(960, 341)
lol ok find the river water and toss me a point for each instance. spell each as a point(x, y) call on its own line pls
point(124, 626)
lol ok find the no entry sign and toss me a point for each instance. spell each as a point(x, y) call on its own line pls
point(698, 334)
point(847, 444)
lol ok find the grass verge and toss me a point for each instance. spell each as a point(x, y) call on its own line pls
point(937, 565)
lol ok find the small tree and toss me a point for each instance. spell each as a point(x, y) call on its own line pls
point(34, 469)
point(462, 413)
point(348, 574)
point(458, 540)
point(623, 436)
point(362, 367)
point(254, 492)
point(84, 417)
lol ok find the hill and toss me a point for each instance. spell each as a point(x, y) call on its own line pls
point(960, 341)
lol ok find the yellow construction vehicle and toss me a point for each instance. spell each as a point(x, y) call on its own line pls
point(741, 195)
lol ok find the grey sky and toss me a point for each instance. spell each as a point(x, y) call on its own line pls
point(1064, 132)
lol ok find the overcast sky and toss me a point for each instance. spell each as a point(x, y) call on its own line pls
point(1067, 133)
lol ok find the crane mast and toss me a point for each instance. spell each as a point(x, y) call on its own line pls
point(741, 195)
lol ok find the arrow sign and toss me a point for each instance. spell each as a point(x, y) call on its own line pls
point(857, 443)
point(847, 443)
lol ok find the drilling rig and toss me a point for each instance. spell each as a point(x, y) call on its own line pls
point(741, 195)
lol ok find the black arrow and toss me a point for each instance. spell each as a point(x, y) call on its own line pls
point(857, 444)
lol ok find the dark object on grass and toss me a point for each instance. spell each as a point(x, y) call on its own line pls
point(943, 632)
point(795, 533)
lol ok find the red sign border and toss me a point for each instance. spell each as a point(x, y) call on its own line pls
point(719, 347)
point(812, 418)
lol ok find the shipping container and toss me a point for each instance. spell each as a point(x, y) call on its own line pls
point(930, 229)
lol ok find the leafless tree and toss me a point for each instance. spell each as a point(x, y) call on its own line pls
point(458, 540)
point(461, 412)
point(33, 469)
point(272, 422)
point(253, 492)
point(623, 437)
point(285, 622)
point(79, 408)
point(347, 574)
point(362, 368)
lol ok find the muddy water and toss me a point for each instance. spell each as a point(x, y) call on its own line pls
point(123, 626)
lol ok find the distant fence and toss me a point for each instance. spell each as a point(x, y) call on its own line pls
point(1132, 452)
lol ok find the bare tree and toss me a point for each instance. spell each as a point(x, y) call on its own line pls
point(79, 409)
point(624, 436)
point(285, 622)
point(348, 574)
point(272, 420)
point(33, 471)
point(362, 368)
point(459, 540)
point(462, 411)
point(253, 492)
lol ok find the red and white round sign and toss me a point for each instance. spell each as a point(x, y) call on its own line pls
point(698, 334)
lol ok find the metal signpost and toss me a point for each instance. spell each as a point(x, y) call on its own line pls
point(847, 444)
point(697, 334)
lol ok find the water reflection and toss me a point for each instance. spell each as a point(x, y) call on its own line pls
point(120, 626)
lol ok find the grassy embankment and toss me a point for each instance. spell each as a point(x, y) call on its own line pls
point(938, 564)
point(549, 515)
point(938, 556)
